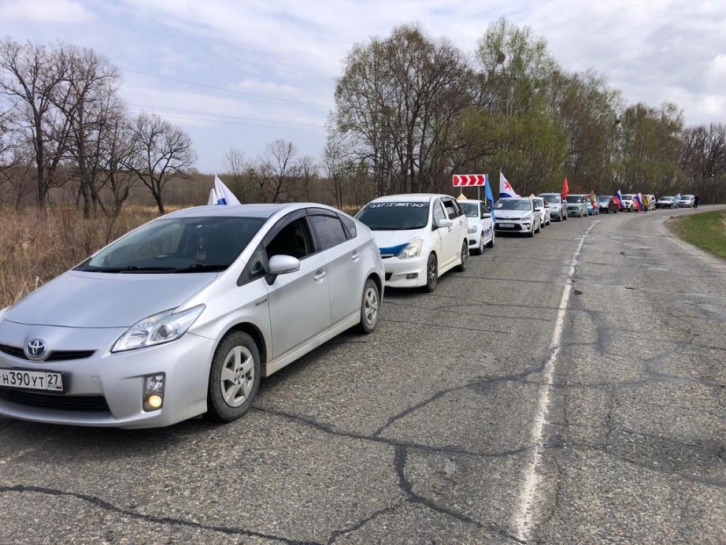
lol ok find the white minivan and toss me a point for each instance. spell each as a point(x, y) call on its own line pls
point(420, 237)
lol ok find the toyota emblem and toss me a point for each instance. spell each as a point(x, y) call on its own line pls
point(35, 349)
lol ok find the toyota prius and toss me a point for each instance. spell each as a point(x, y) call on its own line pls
point(184, 315)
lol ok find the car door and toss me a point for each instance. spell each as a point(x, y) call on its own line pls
point(342, 258)
point(299, 301)
point(437, 234)
point(452, 237)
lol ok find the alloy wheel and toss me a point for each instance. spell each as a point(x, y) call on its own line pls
point(238, 375)
point(370, 306)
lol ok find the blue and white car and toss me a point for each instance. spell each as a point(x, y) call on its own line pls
point(481, 225)
point(420, 237)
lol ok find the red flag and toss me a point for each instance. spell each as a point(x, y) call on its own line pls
point(565, 189)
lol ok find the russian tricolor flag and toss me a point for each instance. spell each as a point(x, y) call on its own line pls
point(618, 198)
point(638, 202)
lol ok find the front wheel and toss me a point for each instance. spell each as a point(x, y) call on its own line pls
point(464, 256)
point(480, 249)
point(490, 244)
point(432, 274)
point(370, 302)
point(234, 378)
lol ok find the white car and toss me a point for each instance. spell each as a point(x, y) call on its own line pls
point(517, 216)
point(419, 236)
point(541, 206)
point(686, 201)
point(558, 208)
point(666, 202)
point(628, 202)
point(651, 202)
point(481, 225)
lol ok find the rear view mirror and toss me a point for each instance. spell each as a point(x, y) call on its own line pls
point(444, 224)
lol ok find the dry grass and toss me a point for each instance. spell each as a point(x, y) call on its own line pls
point(35, 249)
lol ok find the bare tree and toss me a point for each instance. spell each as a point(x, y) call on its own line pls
point(160, 152)
point(278, 169)
point(118, 150)
point(307, 170)
point(31, 75)
point(336, 168)
point(235, 163)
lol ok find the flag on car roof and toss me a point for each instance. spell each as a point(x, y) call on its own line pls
point(223, 193)
point(638, 202)
point(618, 198)
point(489, 195)
point(506, 191)
point(565, 188)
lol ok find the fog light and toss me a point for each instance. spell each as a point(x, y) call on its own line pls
point(411, 276)
point(154, 402)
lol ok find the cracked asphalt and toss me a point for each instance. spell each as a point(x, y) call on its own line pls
point(422, 432)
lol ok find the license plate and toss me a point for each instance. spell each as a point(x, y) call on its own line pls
point(31, 380)
point(507, 225)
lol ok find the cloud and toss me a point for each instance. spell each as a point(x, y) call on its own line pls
point(45, 11)
point(269, 87)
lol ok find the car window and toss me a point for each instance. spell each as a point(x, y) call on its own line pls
point(438, 212)
point(451, 212)
point(349, 226)
point(329, 230)
point(255, 268)
point(457, 207)
point(292, 240)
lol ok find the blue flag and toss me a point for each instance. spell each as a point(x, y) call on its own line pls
point(488, 195)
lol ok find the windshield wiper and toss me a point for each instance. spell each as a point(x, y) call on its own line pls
point(200, 267)
point(128, 269)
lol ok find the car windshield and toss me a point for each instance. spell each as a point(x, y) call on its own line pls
point(574, 199)
point(667, 198)
point(471, 209)
point(628, 197)
point(177, 245)
point(512, 204)
point(539, 203)
point(552, 199)
point(603, 199)
point(395, 216)
point(686, 197)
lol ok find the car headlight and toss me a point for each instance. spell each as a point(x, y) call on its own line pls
point(528, 217)
point(412, 250)
point(472, 229)
point(157, 329)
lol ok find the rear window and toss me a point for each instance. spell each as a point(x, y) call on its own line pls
point(349, 226)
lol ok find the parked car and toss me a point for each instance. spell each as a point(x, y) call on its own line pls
point(666, 202)
point(686, 201)
point(607, 204)
point(481, 225)
point(541, 206)
point(592, 207)
point(558, 208)
point(184, 315)
point(577, 205)
point(517, 215)
point(651, 201)
point(420, 237)
point(628, 202)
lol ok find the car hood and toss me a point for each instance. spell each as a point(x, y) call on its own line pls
point(99, 300)
point(395, 241)
point(511, 214)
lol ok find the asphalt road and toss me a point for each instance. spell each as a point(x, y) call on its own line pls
point(565, 389)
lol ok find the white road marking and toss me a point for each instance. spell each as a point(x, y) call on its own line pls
point(523, 517)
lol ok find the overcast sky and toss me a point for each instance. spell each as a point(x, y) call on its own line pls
point(293, 50)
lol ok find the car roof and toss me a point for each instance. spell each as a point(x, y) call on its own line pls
point(516, 199)
point(410, 197)
point(242, 210)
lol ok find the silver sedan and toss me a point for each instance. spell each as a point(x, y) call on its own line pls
point(184, 315)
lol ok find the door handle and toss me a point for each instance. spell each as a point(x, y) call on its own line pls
point(355, 255)
point(319, 275)
point(450, 228)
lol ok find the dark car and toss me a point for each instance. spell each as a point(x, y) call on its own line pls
point(607, 204)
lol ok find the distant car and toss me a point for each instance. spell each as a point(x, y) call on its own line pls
point(651, 202)
point(686, 201)
point(628, 202)
point(577, 205)
point(543, 207)
point(517, 216)
point(481, 225)
point(558, 208)
point(420, 237)
point(593, 209)
point(607, 204)
point(185, 314)
point(666, 202)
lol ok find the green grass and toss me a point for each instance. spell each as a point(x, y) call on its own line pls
point(706, 230)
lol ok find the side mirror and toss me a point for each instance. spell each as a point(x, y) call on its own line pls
point(445, 223)
point(486, 216)
point(283, 264)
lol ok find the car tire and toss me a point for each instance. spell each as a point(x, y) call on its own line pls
point(464, 257)
point(490, 244)
point(564, 218)
point(480, 250)
point(539, 228)
point(369, 307)
point(432, 274)
point(238, 358)
point(530, 234)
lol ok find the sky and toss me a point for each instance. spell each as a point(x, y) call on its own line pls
point(243, 73)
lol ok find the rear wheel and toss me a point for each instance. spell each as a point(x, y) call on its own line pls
point(369, 305)
point(464, 256)
point(432, 274)
point(234, 378)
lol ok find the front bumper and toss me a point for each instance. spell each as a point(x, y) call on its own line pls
point(116, 378)
point(475, 239)
point(575, 211)
point(517, 226)
point(405, 273)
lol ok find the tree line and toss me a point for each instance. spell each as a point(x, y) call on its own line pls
point(410, 111)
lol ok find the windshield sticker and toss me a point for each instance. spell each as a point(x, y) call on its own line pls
point(398, 205)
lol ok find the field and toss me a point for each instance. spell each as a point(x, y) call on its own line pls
point(706, 230)
point(36, 248)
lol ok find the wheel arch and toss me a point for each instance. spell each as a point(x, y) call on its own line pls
point(257, 336)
